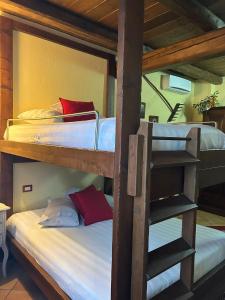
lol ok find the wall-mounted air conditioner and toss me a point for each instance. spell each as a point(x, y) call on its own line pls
point(175, 84)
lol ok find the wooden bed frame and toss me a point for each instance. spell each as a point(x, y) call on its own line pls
point(135, 182)
point(211, 169)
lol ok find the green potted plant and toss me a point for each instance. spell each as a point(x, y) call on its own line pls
point(207, 103)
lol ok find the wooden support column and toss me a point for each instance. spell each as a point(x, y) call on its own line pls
point(6, 106)
point(111, 87)
point(130, 41)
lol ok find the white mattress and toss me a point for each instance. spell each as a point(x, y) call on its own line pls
point(79, 259)
point(82, 135)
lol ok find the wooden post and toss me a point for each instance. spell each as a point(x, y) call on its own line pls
point(129, 71)
point(6, 106)
point(110, 109)
point(111, 87)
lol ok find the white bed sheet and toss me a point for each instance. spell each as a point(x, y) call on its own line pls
point(79, 259)
point(82, 135)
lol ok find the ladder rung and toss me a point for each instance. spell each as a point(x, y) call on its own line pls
point(170, 138)
point(167, 256)
point(176, 291)
point(161, 159)
point(161, 210)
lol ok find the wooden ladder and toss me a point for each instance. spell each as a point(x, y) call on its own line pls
point(146, 265)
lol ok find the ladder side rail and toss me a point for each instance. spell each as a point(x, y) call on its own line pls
point(142, 142)
point(189, 219)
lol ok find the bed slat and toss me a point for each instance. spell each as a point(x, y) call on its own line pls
point(171, 207)
point(163, 159)
point(167, 256)
point(176, 291)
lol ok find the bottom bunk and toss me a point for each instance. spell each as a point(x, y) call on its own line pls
point(77, 261)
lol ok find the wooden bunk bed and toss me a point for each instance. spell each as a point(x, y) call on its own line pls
point(131, 195)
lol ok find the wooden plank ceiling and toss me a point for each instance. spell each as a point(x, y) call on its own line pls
point(162, 26)
point(166, 22)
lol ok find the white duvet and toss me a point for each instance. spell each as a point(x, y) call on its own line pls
point(82, 135)
point(79, 259)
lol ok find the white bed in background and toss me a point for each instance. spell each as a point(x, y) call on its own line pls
point(79, 259)
point(82, 135)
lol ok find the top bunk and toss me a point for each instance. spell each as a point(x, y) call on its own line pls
point(89, 145)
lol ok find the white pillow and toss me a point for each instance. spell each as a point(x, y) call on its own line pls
point(72, 190)
point(109, 199)
point(57, 106)
point(40, 113)
point(60, 212)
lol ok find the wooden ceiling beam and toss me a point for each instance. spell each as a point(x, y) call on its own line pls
point(193, 72)
point(55, 17)
point(65, 41)
point(206, 20)
point(195, 12)
point(208, 45)
point(198, 74)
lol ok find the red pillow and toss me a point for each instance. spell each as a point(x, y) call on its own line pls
point(92, 205)
point(71, 107)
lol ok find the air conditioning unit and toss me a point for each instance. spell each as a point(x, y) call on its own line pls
point(175, 84)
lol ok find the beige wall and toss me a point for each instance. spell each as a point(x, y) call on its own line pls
point(42, 72)
point(154, 105)
point(204, 89)
point(48, 181)
point(200, 90)
point(221, 89)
